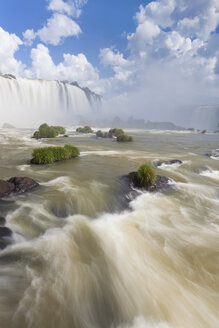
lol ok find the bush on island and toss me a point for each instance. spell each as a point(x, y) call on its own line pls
point(46, 131)
point(44, 125)
point(146, 176)
point(118, 133)
point(59, 129)
point(115, 132)
point(85, 129)
point(99, 134)
point(124, 138)
point(49, 155)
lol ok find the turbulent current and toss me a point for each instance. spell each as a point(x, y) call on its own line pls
point(79, 259)
point(27, 102)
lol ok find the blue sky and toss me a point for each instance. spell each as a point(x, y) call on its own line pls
point(104, 23)
point(159, 53)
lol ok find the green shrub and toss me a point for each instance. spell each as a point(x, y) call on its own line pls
point(43, 156)
point(36, 135)
point(115, 132)
point(85, 129)
point(59, 129)
point(146, 175)
point(71, 151)
point(99, 134)
point(49, 155)
point(106, 135)
point(49, 132)
point(124, 138)
point(46, 131)
point(44, 125)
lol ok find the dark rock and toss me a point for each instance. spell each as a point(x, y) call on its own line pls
point(9, 76)
point(129, 188)
point(5, 232)
point(23, 184)
point(66, 136)
point(5, 237)
point(214, 153)
point(16, 185)
point(132, 181)
point(2, 221)
point(172, 161)
point(6, 188)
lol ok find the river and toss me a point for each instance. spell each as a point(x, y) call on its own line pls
point(80, 260)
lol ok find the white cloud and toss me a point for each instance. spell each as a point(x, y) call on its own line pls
point(72, 68)
point(9, 44)
point(58, 27)
point(145, 33)
point(158, 12)
point(29, 36)
point(174, 59)
point(197, 18)
point(109, 57)
point(120, 65)
point(71, 8)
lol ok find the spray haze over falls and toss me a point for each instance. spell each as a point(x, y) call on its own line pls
point(28, 102)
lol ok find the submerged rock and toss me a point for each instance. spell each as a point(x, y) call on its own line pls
point(171, 162)
point(16, 185)
point(214, 154)
point(5, 237)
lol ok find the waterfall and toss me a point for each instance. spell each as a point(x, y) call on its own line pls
point(28, 102)
point(205, 117)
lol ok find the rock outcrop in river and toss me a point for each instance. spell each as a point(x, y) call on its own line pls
point(16, 185)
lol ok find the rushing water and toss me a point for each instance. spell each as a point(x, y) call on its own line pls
point(80, 261)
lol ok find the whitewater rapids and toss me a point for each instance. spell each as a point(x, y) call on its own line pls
point(76, 262)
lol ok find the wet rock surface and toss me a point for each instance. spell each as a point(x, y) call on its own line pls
point(16, 185)
point(213, 154)
point(129, 188)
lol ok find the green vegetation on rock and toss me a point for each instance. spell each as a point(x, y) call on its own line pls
point(59, 129)
point(124, 138)
point(85, 129)
point(118, 133)
point(146, 176)
point(99, 134)
point(49, 155)
point(46, 131)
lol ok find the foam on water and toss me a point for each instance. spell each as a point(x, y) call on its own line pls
point(212, 174)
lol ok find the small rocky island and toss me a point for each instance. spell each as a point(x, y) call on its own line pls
point(46, 131)
point(50, 155)
point(134, 183)
point(86, 129)
point(119, 134)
